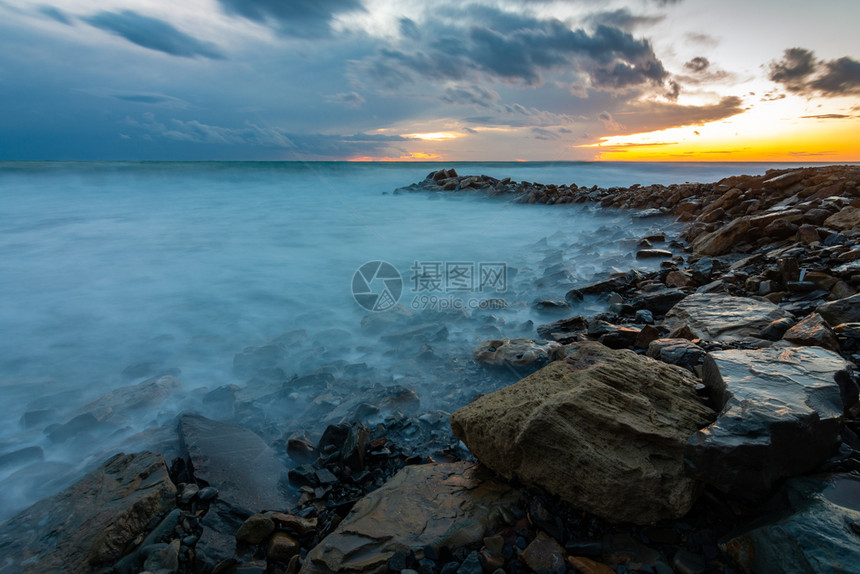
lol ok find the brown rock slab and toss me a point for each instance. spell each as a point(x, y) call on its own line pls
point(255, 529)
point(813, 331)
point(604, 429)
point(722, 240)
point(282, 547)
point(588, 566)
point(443, 504)
point(848, 218)
point(718, 316)
point(94, 522)
point(543, 552)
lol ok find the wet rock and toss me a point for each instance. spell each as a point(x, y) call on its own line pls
point(659, 302)
point(808, 233)
point(91, 524)
point(235, 461)
point(679, 352)
point(814, 331)
point(603, 429)
point(848, 218)
point(679, 279)
point(21, 457)
point(805, 528)
point(722, 240)
point(718, 316)
point(781, 414)
point(423, 506)
point(841, 311)
point(255, 529)
point(653, 254)
point(519, 352)
point(777, 329)
point(543, 552)
point(282, 547)
point(563, 329)
point(395, 317)
point(585, 565)
point(349, 441)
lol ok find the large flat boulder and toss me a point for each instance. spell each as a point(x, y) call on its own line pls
point(808, 527)
point(722, 240)
point(94, 522)
point(436, 505)
point(248, 476)
point(604, 429)
point(237, 462)
point(718, 316)
point(781, 414)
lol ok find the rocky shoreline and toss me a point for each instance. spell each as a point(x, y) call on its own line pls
point(706, 421)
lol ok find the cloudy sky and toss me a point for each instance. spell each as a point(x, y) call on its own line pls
point(773, 80)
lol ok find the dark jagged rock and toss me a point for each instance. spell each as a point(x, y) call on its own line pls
point(814, 331)
point(811, 525)
point(519, 352)
point(94, 522)
point(781, 414)
point(679, 352)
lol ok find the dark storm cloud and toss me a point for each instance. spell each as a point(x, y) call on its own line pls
point(409, 29)
point(153, 34)
point(796, 65)
point(623, 19)
point(303, 18)
point(800, 72)
point(827, 117)
point(56, 14)
point(514, 49)
point(653, 115)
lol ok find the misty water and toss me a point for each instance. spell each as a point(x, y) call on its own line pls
point(111, 273)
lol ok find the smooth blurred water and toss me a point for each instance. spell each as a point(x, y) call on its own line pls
point(106, 265)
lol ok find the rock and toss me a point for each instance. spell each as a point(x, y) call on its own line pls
point(394, 317)
point(519, 352)
point(781, 414)
point(679, 352)
point(603, 429)
point(841, 311)
point(585, 565)
point(235, 461)
point(282, 547)
point(21, 457)
point(254, 360)
point(777, 329)
point(723, 239)
point(848, 218)
point(653, 254)
point(718, 316)
point(813, 331)
point(91, 524)
point(564, 328)
point(543, 552)
point(805, 528)
point(349, 440)
point(646, 336)
point(659, 302)
point(779, 229)
point(471, 565)
point(808, 233)
point(128, 400)
point(431, 505)
point(255, 529)
point(679, 279)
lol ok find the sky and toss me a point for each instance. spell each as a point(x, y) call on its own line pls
point(466, 80)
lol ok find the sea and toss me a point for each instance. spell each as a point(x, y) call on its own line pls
point(113, 273)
